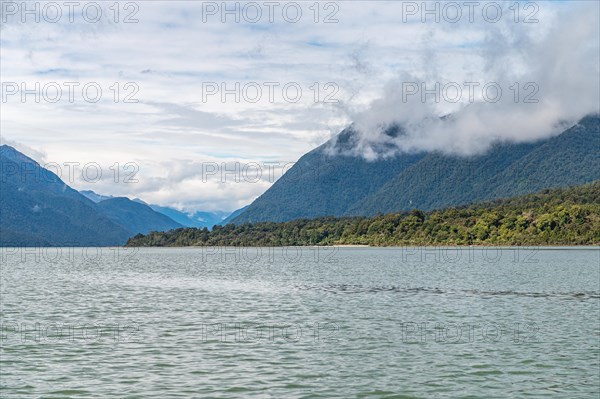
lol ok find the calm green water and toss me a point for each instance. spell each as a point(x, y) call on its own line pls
point(291, 323)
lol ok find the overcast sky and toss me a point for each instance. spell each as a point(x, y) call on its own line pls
point(364, 57)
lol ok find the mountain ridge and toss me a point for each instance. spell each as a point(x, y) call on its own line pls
point(197, 219)
point(37, 208)
point(426, 180)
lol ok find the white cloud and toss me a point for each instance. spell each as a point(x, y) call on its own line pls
point(555, 63)
point(171, 52)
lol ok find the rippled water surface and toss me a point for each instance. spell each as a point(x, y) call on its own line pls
point(300, 322)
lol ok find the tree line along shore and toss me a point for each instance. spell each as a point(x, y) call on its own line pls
point(566, 216)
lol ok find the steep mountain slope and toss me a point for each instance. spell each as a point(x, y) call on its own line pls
point(507, 170)
point(349, 186)
point(136, 217)
point(324, 184)
point(38, 208)
point(233, 215)
point(198, 219)
point(571, 158)
point(438, 180)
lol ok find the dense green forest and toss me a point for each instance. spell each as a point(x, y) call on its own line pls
point(569, 216)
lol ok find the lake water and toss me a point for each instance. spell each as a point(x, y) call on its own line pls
point(300, 322)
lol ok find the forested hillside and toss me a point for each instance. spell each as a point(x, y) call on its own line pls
point(332, 181)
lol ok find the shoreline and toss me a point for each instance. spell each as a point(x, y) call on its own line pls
point(350, 246)
point(539, 246)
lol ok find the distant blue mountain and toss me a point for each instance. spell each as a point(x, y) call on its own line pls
point(38, 209)
point(209, 219)
point(136, 217)
point(198, 219)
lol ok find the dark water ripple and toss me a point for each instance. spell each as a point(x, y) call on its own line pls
point(361, 289)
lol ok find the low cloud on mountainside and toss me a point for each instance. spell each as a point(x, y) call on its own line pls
point(560, 59)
